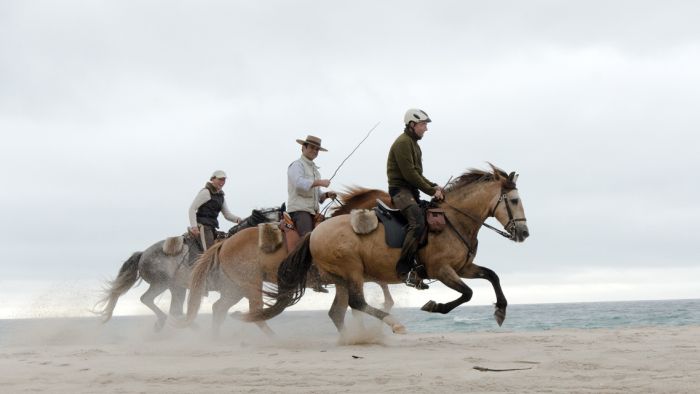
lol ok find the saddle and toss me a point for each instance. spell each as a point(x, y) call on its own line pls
point(395, 223)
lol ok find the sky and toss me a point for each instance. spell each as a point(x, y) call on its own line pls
point(113, 115)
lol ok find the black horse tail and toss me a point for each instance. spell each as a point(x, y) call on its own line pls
point(291, 282)
point(128, 274)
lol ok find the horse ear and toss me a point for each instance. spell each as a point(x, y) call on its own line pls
point(515, 178)
point(510, 176)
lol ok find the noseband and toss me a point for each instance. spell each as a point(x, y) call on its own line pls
point(511, 220)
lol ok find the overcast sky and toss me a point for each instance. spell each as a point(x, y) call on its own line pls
point(113, 115)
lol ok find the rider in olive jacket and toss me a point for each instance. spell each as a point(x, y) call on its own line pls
point(404, 170)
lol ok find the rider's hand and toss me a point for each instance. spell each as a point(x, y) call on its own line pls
point(239, 220)
point(194, 231)
point(439, 195)
point(331, 195)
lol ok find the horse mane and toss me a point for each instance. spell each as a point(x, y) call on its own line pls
point(356, 196)
point(475, 176)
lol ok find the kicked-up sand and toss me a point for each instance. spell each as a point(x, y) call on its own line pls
point(80, 356)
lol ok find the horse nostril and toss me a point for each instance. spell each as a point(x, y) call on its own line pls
point(526, 234)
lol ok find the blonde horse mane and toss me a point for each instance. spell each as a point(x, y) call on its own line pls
point(474, 176)
point(360, 197)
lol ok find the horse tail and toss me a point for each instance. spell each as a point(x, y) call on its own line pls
point(128, 274)
point(205, 264)
point(291, 282)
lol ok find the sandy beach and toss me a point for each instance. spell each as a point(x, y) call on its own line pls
point(69, 359)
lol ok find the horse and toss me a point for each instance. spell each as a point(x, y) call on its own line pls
point(166, 265)
point(349, 258)
point(241, 267)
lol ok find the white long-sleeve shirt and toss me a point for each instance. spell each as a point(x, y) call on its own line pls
point(301, 196)
point(203, 196)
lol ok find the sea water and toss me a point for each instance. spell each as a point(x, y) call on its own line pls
point(520, 317)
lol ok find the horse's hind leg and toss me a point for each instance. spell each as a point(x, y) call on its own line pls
point(340, 305)
point(177, 300)
point(388, 299)
point(255, 303)
point(449, 277)
point(356, 299)
point(220, 309)
point(149, 296)
point(477, 272)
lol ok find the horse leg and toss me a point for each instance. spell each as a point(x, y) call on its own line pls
point(149, 296)
point(477, 272)
point(356, 300)
point(220, 309)
point(255, 303)
point(340, 305)
point(449, 277)
point(388, 299)
point(177, 300)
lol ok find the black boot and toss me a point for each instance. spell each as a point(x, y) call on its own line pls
point(414, 277)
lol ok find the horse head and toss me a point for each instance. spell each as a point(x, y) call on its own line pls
point(508, 206)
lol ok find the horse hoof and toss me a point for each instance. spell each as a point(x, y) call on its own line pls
point(159, 325)
point(398, 329)
point(429, 306)
point(500, 316)
point(237, 315)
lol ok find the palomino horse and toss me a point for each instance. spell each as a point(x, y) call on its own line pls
point(350, 259)
point(241, 268)
point(166, 265)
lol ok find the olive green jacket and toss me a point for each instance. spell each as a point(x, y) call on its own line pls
point(404, 166)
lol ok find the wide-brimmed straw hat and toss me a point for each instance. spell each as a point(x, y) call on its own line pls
point(313, 140)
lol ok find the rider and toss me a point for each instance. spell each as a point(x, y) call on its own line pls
point(304, 184)
point(404, 170)
point(205, 209)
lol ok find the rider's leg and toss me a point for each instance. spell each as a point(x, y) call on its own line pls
point(407, 263)
point(304, 223)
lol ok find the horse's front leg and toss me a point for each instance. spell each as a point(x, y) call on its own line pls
point(477, 272)
point(449, 277)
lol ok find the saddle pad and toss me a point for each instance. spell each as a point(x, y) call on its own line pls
point(394, 228)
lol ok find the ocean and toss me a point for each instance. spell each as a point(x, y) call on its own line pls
point(535, 317)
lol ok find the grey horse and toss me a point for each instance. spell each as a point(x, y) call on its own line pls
point(167, 265)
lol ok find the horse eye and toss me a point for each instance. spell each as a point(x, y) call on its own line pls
point(514, 201)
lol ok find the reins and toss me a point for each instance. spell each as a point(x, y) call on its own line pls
point(501, 232)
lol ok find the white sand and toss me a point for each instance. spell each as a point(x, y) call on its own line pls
point(64, 359)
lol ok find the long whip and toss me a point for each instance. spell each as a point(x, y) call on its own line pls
point(353, 151)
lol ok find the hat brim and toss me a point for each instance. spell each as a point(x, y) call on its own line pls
point(302, 142)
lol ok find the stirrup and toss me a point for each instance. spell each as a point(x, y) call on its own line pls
point(413, 280)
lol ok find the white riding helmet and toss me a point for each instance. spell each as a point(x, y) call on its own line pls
point(415, 115)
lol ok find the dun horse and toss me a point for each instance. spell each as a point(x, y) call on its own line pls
point(349, 258)
point(166, 265)
point(242, 264)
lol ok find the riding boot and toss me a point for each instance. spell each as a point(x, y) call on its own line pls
point(414, 277)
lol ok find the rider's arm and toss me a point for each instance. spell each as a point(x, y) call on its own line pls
point(228, 215)
point(202, 197)
point(403, 154)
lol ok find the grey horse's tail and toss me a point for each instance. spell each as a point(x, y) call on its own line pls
point(206, 262)
point(128, 274)
point(291, 282)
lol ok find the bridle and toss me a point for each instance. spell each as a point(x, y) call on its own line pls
point(510, 225)
point(511, 220)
